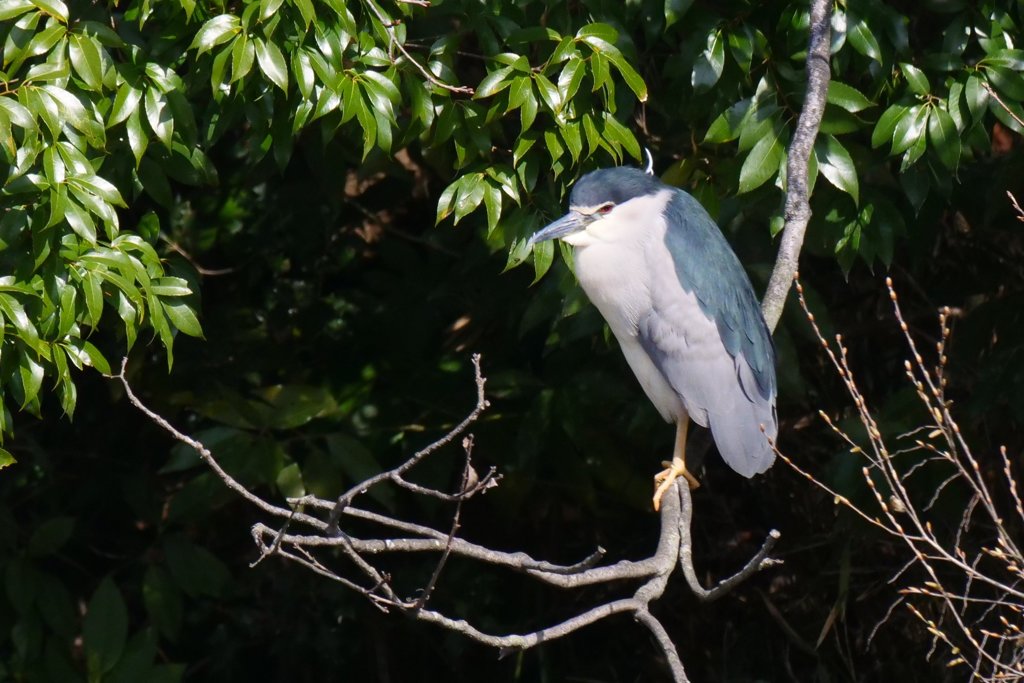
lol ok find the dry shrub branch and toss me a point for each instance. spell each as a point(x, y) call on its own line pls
point(964, 577)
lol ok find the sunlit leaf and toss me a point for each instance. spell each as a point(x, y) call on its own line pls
point(847, 97)
point(272, 63)
point(762, 163)
point(214, 32)
point(710, 63)
point(54, 8)
point(916, 79)
point(835, 163)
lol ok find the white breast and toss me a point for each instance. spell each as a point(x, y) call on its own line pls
point(612, 259)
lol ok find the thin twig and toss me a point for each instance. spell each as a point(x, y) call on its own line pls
point(389, 26)
point(395, 474)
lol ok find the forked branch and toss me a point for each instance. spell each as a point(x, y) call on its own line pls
point(307, 539)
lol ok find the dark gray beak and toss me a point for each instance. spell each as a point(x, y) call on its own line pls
point(566, 225)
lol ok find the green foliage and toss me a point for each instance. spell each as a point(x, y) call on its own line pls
point(102, 113)
point(924, 103)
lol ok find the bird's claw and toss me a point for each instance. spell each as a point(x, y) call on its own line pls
point(663, 480)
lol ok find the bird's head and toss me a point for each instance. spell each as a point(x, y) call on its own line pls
point(608, 195)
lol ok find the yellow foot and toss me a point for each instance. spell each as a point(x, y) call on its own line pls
point(663, 480)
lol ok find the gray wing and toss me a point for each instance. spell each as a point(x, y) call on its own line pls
point(720, 390)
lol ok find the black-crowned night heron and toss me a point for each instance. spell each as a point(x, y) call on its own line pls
point(676, 297)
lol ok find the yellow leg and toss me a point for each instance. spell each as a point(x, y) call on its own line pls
point(664, 479)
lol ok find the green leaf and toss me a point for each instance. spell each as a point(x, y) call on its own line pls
point(709, 65)
point(72, 111)
point(618, 133)
point(67, 311)
point(492, 204)
point(521, 90)
point(99, 186)
point(243, 55)
point(80, 221)
point(835, 164)
point(92, 287)
point(9, 9)
point(528, 111)
point(159, 115)
point(17, 112)
point(953, 105)
point(214, 32)
point(725, 128)
point(307, 11)
point(602, 32)
point(106, 36)
point(95, 358)
point(6, 459)
point(909, 129)
point(272, 63)
point(471, 194)
point(675, 10)
point(269, 8)
point(886, 125)
point(758, 122)
point(570, 78)
point(762, 163)
point(862, 39)
point(633, 79)
point(543, 257)
point(944, 137)
point(138, 141)
point(1009, 113)
point(847, 97)
point(43, 41)
point(183, 318)
point(573, 139)
point(916, 79)
point(55, 8)
point(87, 60)
point(30, 372)
point(125, 101)
point(14, 312)
point(104, 629)
point(742, 48)
point(305, 79)
point(1007, 59)
point(129, 316)
point(493, 83)
point(170, 286)
point(548, 92)
point(915, 152)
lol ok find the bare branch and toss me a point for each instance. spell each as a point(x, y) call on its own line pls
point(396, 473)
point(305, 540)
point(755, 564)
point(798, 208)
point(969, 594)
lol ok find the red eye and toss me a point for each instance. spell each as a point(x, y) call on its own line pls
point(605, 209)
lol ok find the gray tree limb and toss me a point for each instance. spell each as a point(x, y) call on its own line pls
point(306, 540)
point(798, 207)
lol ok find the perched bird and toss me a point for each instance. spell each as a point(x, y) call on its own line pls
point(682, 308)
